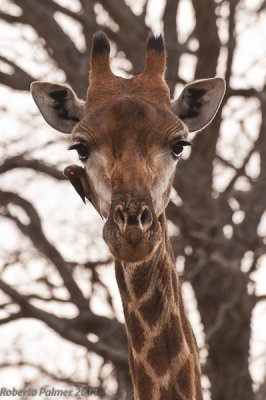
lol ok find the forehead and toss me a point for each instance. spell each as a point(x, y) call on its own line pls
point(128, 118)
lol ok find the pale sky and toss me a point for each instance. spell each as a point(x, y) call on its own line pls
point(41, 343)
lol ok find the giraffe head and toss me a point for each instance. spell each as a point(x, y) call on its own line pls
point(129, 135)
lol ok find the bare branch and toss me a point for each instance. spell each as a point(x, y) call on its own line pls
point(133, 25)
point(11, 318)
point(260, 298)
point(18, 79)
point(118, 356)
point(239, 172)
point(57, 7)
point(255, 204)
point(209, 41)
point(125, 18)
point(261, 7)
point(12, 19)
point(59, 45)
point(34, 231)
point(55, 377)
point(250, 92)
point(171, 39)
point(36, 165)
point(231, 44)
point(261, 392)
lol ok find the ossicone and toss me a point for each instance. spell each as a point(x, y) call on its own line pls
point(155, 44)
point(100, 44)
point(156, 55)
point(99, 61)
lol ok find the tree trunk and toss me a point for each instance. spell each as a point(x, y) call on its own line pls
point(225, 308)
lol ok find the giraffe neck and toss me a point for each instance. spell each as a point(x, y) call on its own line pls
point(163, 354)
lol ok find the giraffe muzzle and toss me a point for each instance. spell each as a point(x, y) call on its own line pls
point(132, 229)
point(138, 218)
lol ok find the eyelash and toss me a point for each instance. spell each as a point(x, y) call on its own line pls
point(177, 147)
point(82, 149)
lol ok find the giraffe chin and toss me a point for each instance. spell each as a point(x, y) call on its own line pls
point(133, 246)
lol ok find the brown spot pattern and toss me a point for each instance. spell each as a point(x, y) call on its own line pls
point(167, 345)
point(152, 309)
point(188, 332)
point(120, 278)
point(198, 384)
point(168, 393)
point(144, 383)
point(163, 277)
point(136, 332)
point(186, 381)
point(141, 279)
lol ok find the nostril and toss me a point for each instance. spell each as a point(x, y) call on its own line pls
point(140, 219)
point(145, 218)
point(119, 217)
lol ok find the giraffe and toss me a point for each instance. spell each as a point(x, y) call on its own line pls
point(129, 135)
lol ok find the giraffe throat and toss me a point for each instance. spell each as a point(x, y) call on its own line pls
point(163, 354)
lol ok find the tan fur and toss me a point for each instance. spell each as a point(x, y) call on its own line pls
point(129, 127)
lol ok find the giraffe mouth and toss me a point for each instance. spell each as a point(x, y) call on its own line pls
point(132, 247)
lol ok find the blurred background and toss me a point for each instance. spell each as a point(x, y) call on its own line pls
point(61, 321)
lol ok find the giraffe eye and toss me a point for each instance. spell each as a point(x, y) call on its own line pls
point(178, 146)
point(82, 149)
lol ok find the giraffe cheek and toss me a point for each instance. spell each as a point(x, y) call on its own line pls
point(160, 191)
point(101, 192)
point(160, 199)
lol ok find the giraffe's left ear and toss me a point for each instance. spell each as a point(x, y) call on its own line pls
point(199, 102)
point(58, 104)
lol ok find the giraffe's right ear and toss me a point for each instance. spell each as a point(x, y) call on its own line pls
point(58, 104)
